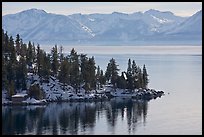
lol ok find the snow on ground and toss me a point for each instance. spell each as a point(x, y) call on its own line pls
point(56, 91)
point(34, 101)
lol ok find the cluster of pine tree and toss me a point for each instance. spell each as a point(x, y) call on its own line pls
point(133, 78)
point(75, 69)
point(19, 58)
point(15, 56)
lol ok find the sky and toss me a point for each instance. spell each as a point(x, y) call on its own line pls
point(66, 8)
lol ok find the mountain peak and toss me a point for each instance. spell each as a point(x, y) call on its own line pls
point(118, 13)
point(153, 11)
point(34, 10)
point(199, 12)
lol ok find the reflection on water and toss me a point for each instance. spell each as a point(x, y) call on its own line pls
point(179, 112)
point(73, 118)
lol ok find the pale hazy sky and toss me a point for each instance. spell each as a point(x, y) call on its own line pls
point(67, 8)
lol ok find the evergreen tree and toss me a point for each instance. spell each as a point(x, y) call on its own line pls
point(84, 70)
point(140, 78)
point(102, 79)
point(12, 51)
point(6, 46)
point(29, 54)
point(40, 62)
point(38, 59)
point(98, 74)
point(145, 77)
point(112, 72)
point(74, 73)
point(11, 67)
point(4, 75)
point(54, 59)
point(61, 53)
point(35, 92)
point(108, 72)
point(23, 49)
point(130, 75)
point(21, 74)
point(88, 72)
point(121, 81)
point(34, 53)
point(134, 75)
point(4, 62)
point(64, 72)
point(129, 69)
point(46, 66)
point(18, 44)
point(92, 78)
point(3, 42)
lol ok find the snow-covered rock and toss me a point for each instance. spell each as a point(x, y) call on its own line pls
point(55, 91)
point(32, 101)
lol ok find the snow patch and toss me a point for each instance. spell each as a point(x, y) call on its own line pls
point(91, 19)
point(87, 29)
point(162, 21)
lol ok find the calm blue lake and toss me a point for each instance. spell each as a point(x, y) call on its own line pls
point(178, 112)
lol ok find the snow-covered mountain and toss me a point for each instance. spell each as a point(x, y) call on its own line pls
point(192, 25)
point(39, 26)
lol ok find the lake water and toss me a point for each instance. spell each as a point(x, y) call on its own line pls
point(178, 112)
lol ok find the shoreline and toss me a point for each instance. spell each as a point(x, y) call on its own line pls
point(141, 94)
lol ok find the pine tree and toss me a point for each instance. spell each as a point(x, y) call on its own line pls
point(87, 73)
point(6, 45)
point(12, 50)
point(140, 78)
point(3, 42)
point(46, 66)
point(92, 68)
point(84, 70)
point(129, 75)
point(4, 74)
point(134, 74)
point(64, 72)
point(18, 44)
point(61, 53)
point(21, 74)
point(102, 79)
point(98, 74)
point(4, 62)
point(12, 62)
point(121, 82)
point(29, 54)
point(35, 92)
point(145, 77)
point(129, 69)
point(23, 49)
point(54, 59)
point(74, 73)
point(108, 72)
point(34, 53)
point(112, 72)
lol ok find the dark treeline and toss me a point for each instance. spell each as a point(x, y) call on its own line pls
point(75, 69)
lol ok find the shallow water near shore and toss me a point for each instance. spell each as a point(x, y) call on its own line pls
point(179, 111)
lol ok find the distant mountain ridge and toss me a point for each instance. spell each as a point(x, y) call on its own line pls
point(39, 26)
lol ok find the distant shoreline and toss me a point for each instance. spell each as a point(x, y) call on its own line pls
point(140, 50)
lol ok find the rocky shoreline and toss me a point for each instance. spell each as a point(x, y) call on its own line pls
point(138, 94)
